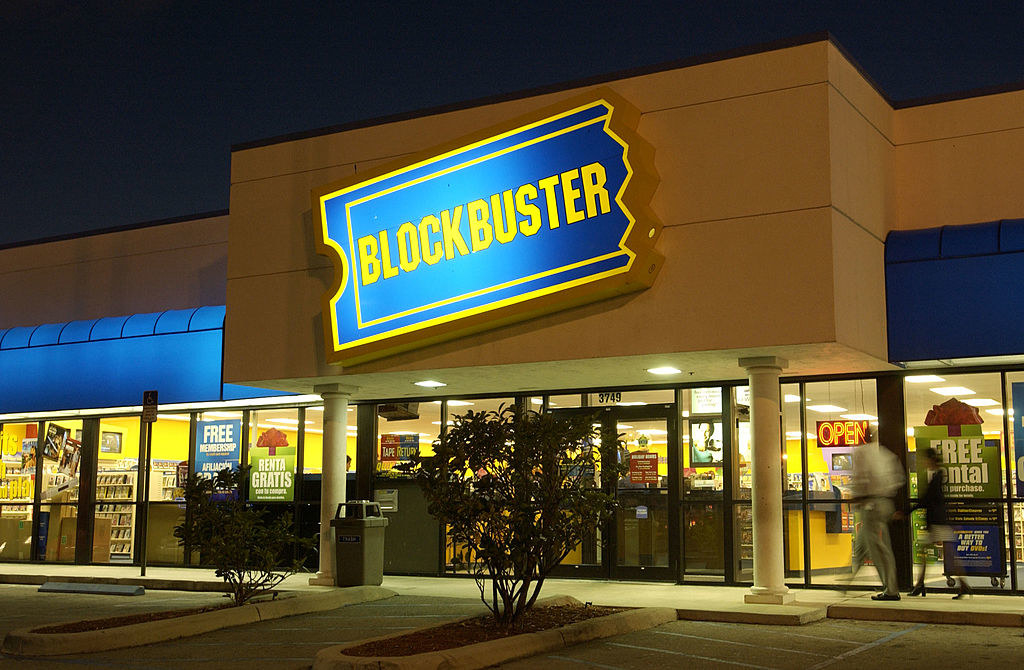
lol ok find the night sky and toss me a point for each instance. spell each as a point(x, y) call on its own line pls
point(116, 112)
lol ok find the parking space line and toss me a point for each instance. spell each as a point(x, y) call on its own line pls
point(585, 662)
point(679, 653)
point(785, 632)
point(742, 644)
point(870, 645)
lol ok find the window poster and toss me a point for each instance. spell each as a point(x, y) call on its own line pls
point(273, 467)
point(706, 401)
point(706, 444)
point(56, 438)
point(110, 442)
point(218, 446)
point(973, 481)
point(70, 456)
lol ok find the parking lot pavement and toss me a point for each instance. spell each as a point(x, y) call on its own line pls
point(291, 642)
point(835, 645)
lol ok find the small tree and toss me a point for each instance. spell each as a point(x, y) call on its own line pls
point(518, 492)
point(250, 553)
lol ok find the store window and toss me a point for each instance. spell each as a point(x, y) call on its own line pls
point(836, 418)
point(961, 417)
point(18, 445)
point(61, 454)
point(457, 557)
point(703, 441)
point(405, 430)
point(793, 439)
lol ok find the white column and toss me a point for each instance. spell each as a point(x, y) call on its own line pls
point(766, 488)
point(333, 478)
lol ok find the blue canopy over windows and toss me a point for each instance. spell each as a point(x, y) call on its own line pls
point(955, 291)
point(109, 362)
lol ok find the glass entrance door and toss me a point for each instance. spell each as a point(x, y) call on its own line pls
point(643, 526)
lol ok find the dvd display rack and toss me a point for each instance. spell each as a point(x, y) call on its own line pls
point(115, 498)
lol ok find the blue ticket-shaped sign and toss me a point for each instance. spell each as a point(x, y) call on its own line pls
point(531, 217)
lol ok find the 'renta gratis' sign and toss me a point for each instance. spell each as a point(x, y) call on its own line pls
point(537, 215)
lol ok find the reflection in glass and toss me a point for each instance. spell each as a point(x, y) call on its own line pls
point(703, 545)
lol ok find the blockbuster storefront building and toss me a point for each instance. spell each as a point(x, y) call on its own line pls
point(740, 262)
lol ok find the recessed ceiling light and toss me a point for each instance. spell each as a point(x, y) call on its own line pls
point(793, 434)
point(789, 397)
point(430, 384)
point(459, 403)
point(995, 412)
point(623, 426)
point(923, 379)
point(859, 417)
point(981, 402)
point(828, 409)
point(952, 390)
point(664, 370)
point(630, 404)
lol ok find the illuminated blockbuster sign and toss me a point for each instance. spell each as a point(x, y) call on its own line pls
point(535, 216)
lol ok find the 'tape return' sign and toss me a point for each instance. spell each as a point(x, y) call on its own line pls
point(534, 216)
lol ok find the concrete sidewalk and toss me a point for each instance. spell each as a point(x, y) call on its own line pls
point(695, 602)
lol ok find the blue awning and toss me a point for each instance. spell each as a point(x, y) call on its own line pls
point(955, 291)
point(109, 362)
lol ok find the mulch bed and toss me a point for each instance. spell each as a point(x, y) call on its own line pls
point(126, 620)
point(482, 629)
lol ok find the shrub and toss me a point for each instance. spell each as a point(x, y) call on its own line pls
point(251, 553)
point(518, 492)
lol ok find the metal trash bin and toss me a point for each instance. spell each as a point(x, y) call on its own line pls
point(359, 533)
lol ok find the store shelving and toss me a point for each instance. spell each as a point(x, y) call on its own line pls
point(115, 495)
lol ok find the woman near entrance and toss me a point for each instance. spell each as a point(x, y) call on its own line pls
point(936, 529)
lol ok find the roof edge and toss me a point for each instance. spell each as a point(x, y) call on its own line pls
point(690, 61)
point(115, 229)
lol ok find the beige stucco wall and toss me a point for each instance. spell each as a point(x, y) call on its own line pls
point(960, 162)
point(150, 269)
point(742, 154)
point(780, 175)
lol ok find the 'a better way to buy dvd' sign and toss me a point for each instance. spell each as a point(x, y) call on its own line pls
point(533, 216)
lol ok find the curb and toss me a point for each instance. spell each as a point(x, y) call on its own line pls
point(25, 642)
point(957, 617)
point(157, 584)
point(778, 615)
point(492, 652)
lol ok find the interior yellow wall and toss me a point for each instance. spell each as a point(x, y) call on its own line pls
point(828, 550)
point(170, 439)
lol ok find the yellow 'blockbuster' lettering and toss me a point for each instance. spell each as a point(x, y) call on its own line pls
point(594, 191)
point(504, 230)
point(491, 219)
point(432, 253)
point(369, 264)
point(525, 193)
point(570, 195)
point(548, 186)
point(452, 235)
point(408, 247)
point(480, 232)
point(385, 256)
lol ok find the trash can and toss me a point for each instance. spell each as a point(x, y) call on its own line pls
point(359, 531)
